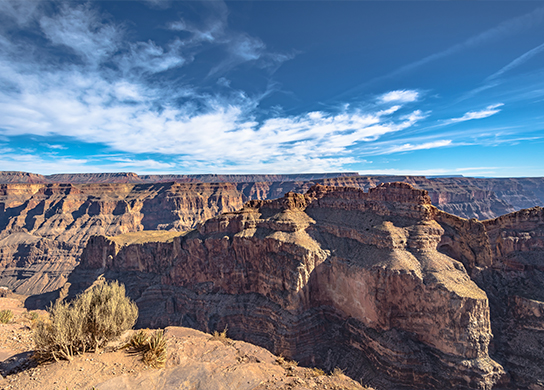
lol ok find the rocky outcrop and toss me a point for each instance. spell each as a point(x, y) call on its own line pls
point(464, 197)
point(334, 277)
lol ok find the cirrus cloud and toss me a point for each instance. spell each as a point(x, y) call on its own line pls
point(485, 113)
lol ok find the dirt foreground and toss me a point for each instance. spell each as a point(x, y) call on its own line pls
point(196, 360)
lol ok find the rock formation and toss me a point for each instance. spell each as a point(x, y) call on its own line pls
point(44, 227)
point(373, 282)
point(515, 286)
point(45, 221)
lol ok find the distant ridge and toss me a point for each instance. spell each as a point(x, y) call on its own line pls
point(131, 177)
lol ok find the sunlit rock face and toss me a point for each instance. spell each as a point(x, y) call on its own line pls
point(334, 277)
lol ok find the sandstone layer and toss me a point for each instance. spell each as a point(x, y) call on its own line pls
point(373, 282)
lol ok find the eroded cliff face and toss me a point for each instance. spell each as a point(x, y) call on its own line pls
point(49, 219)
point(464, 197)
point(515, 285)
point(334, 277)
point(44, 227)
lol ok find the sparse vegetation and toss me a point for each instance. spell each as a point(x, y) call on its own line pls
point(5, 316)
point(138, 341)
point(221, 336)
point(337, 372)
point(317, 372)
point(153, 349)
point(155, 355)
point(95, 317)
point(286, 363)
point(33, 316)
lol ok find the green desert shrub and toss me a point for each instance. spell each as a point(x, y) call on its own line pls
point(87, 323)
point(5, 316)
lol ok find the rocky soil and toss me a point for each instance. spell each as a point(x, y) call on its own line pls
point(195, 360)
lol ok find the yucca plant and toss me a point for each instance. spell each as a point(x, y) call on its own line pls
point(152, 348)
point(155, 356)
point(138, 341)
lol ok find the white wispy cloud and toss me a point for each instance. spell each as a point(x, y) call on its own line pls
point(400, 96)
point(148, 57)
point(427, 145)
point(18, 160)
point(518, 61)
point(468, 171)
point(81, 29)
point(239, 46)
point(118, 107)
point(503, 30)
point(19, 12)
point(57, 147)
point(485, 113)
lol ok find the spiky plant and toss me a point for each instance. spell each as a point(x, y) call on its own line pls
point(5, 316)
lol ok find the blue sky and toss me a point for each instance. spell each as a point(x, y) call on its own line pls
point(377, 87)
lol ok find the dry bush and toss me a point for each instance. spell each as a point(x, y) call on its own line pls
point(138, 341)
point(317, 372)
point(95, 317)
point(288, 364)
point(153, 349)
point(337, 372)
point(33, 316)
point(221, 336)
point(109, 312)
point(5, 316)
point(63, 336)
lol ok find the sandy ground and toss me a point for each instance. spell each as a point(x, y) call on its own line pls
point(196, 360)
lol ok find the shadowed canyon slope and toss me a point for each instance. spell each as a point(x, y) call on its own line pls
point(382, 284)
point(45, 221)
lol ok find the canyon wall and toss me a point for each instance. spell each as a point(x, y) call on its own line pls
point(45, 221)
point(372, 278)
point(44, 227)
point(334, 277)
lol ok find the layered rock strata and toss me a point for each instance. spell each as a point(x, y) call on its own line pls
point(515, 286)
point(44, 227)
point(45, 221)
point(335, 277)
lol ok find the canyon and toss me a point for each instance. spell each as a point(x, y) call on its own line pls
point(402, 281)
point(46, 221)
point(383, 284)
